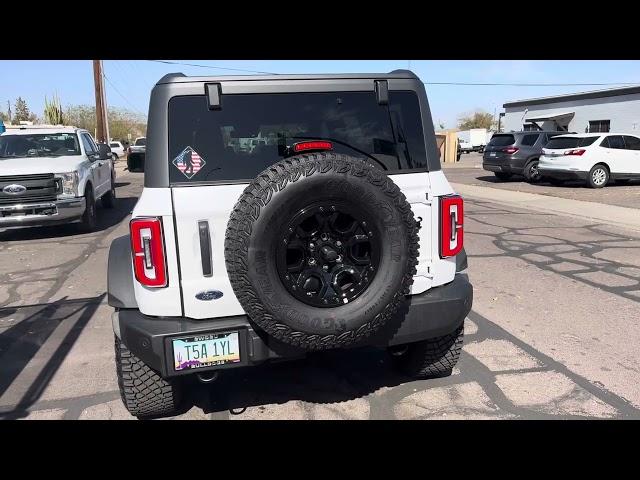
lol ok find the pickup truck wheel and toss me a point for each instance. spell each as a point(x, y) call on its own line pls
point(143, 391)
point(431, 358)
point(502, 176)
point(89, 217)
point(321, 249)
point(109, 198)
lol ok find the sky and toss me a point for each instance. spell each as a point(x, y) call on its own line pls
point(129, 82)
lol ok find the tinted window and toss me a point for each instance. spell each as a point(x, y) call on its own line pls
point(499, 140)
point(141, 142)
point(570, 142)
point(529, 140)
point(89, 146)
point(632, 143)
point(613, 141)
point(39, 145)
point(250, 132)
point(114, 145)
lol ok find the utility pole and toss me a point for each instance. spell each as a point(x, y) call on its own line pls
point(102, 129)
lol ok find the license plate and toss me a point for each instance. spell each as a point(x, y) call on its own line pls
point(205, 350)
point(492, 154)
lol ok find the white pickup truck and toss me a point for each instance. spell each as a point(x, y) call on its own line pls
point(51, 175)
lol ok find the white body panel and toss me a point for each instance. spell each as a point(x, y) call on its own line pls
point(215, 203)
point(156, 202)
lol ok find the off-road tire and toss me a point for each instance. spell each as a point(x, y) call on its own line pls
point(431, 358)
point(248, 259)
point(502, 176)
point(109, 198)
point(143, 391)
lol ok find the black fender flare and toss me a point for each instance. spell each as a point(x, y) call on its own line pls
point(120, 274)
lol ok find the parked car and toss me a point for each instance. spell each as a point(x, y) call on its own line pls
point(516, 153)
point(309, 242)
point(117, 149)
point(595, 158)
point(51, 175)
point(136, 155)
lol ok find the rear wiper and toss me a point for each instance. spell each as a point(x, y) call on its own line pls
point(328, 139)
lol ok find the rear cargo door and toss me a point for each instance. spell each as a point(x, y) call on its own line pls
point(214, 152)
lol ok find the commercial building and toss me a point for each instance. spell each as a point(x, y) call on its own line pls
point(611, 110)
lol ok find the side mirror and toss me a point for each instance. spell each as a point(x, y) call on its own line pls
point(104, 151)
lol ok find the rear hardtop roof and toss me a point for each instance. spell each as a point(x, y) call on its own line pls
point(182, 78)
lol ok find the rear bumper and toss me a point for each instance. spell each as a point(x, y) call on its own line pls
point(47, 213)
point(563, 174)
point(505, 165)
point(436, 312)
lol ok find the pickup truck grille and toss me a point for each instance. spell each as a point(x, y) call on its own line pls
point(39, 188)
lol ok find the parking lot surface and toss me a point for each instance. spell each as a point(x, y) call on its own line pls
point(469, 171)
point(553, 332)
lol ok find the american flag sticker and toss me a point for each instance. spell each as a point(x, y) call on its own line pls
point(189, 162)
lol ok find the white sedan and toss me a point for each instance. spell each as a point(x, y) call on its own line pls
point(594, 158)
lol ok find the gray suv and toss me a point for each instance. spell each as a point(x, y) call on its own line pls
point(516, 153)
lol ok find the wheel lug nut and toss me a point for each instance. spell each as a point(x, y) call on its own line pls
point(339, 259)
point(312, 261)
point(325, 267)
point(324, 301)
point(338, 243)
point(312, 246)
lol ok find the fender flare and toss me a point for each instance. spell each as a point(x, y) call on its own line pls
point(120, 274)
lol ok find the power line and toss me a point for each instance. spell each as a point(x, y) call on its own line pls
point(211, 66)
point(121, 95)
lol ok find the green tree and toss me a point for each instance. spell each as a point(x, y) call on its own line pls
point(122, 122)
point(4, 117)
point(477, 119)
point(21, 111)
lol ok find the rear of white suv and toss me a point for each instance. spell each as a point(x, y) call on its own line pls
point(337, 230)
point(594, 158)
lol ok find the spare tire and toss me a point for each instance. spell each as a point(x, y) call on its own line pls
point(321, 249)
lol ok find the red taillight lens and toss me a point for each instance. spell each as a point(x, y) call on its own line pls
point(578, 151)
point(510, 150)
point(451, 225)
point(305, 146)
point(147, 248)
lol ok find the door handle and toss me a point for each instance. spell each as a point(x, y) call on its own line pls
point(205, 248)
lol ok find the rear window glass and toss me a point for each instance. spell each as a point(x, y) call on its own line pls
point(570, 142)
point(141, 142)
point(529, 140)
point(502, 140)
point(249, 132)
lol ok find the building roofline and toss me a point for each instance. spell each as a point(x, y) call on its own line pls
point(610, 92)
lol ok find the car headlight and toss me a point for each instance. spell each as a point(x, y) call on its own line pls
point(69, 183)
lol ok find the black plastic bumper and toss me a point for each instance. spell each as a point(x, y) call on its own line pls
point(563, 174)
point(436, 312)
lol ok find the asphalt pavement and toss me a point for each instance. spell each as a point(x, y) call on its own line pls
point(553, 332)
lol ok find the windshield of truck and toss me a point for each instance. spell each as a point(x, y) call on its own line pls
point(140, 142)
point(39, 145)
point(252, 131)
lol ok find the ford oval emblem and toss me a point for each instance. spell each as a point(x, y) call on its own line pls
point(209, 295)
point(14, 189)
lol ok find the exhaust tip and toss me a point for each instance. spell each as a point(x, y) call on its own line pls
point(208, 377)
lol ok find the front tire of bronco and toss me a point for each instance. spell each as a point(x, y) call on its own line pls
point(143, 391)
point(431, 358)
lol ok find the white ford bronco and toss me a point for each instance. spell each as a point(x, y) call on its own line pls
point(336, 229)
point(51, 175)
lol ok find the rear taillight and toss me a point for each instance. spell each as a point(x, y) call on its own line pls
point(510, 150)
point(577, 151)
point(147, 249)
point(451, 225)
point(316, 145)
